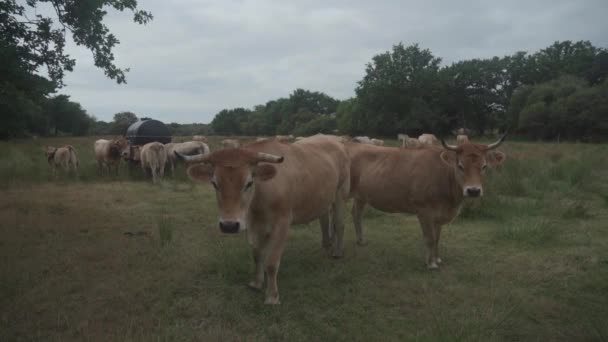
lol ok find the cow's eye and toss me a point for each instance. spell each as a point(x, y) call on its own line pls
point(215, 185)
point(248, 185)
point(460, 166)
point(485, 166)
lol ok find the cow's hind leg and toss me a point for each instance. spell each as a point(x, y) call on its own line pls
point(428, 232)
point(357, 212)
point(337, 224)
point(278, 237)
point(437, 234)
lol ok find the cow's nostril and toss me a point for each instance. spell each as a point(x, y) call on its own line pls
point(229, 227)
point(473, 192)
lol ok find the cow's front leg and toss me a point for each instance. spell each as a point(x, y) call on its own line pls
point(257, 239)
point(428, 233)
point(325, 233)
point(276, 245)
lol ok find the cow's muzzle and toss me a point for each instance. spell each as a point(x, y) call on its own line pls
point(473, 191)
point(230, 227)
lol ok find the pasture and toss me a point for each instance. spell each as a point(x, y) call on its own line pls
point(117, 258)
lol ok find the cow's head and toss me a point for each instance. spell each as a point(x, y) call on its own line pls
point(233, 173)
point(470, 162)
point(49, 151)
point(119, 148)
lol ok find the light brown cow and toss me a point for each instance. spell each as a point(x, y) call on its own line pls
point(305, 181)
point(154, 157)
point(199, 138)
point(462, 139)
point(429, 182)
point(230, 143)
point(109, 152)
point(377, 142)
point(428, 139)
point(187, 148)
point(64, 157)
point(406, 141)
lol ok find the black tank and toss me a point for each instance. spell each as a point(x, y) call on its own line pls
point(145, 131)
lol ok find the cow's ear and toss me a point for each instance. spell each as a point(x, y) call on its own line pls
point(264, 172)
point(200, 172)
point(449, 158)
point(495, 158)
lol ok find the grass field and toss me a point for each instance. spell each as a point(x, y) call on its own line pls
point(117, 258)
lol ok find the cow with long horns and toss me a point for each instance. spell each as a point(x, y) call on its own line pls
point(430, 182)
point(264, 187)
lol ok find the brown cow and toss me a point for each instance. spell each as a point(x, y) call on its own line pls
point(64, 156)
point(109, 152)
point(462, 139)
point(429, 182)
point(154, 157)
point(265, 199)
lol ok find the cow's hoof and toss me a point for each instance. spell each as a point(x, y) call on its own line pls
point(272, 300)
point(254, 285)
point(362, 243)
point(337, 255)
point(432, 266)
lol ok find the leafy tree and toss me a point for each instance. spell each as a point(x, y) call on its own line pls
point(122, 121)
point(229, 121)
point(30, 43)
point(395, 83)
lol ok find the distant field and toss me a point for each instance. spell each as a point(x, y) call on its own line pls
point(117, 258)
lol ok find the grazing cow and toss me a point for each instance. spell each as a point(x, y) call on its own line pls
point(303, 182)
point(230, 143)
point(108, 153)
point(200, 138)
point(362, 140)
point(462, 139)
point(428, 139)
point(154, 157)
point(64, 157)
point(377, 142)
point(187, 148)
point(261, 139)
point(430, 182)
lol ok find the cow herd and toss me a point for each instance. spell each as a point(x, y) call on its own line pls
point(266, 186)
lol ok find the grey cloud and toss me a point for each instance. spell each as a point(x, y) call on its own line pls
point(198, 57)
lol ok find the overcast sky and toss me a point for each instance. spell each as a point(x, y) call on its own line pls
point(197, 57)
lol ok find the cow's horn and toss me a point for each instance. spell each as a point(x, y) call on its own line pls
point(199, 158)
point(269, 158)
point(448, 146)
point(496, 144)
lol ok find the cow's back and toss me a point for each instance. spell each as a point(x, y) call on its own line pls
point(400, 180)
point(307, 182)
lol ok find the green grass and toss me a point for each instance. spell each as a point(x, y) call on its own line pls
point(118, 258)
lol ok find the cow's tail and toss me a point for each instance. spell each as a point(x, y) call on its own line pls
point(73, 157)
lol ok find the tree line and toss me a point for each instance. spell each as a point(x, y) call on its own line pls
point(557, 92)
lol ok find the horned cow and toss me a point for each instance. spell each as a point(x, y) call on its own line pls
point(265, 187)
point(429, 182)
